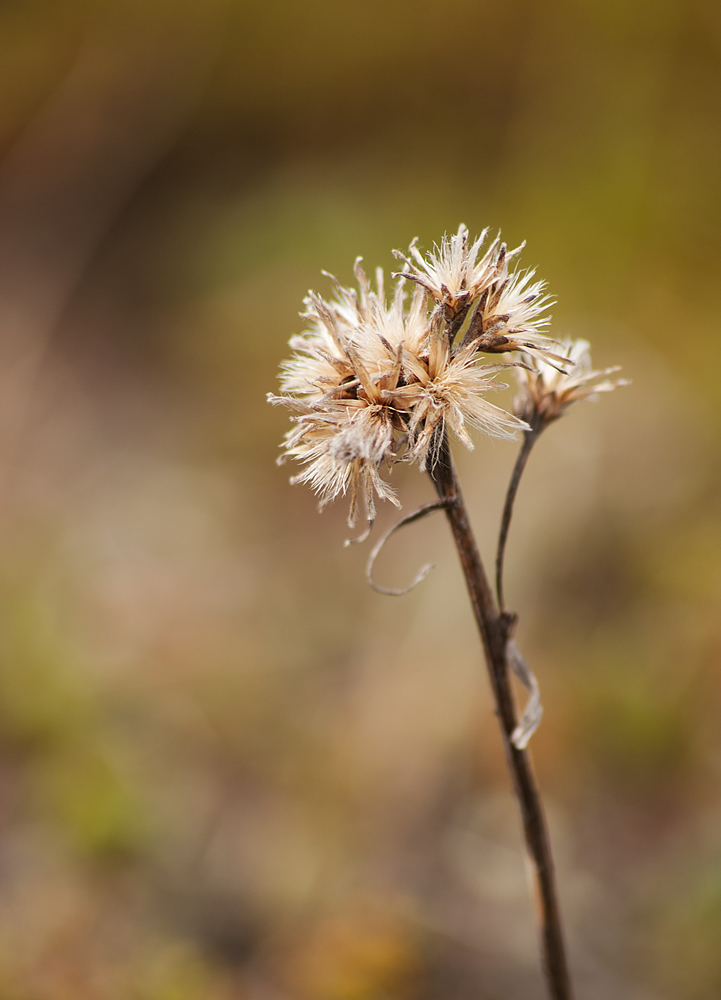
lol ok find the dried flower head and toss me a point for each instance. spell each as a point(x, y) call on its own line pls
point(344, 430)
point(511, 316)
point(508, 311)
point(371, 383)
point(443, 392)
point(342, 447)
point(546, 392)
point(452, 275)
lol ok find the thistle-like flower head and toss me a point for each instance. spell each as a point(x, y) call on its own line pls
point(342, 447)
point(545, 393)
point(511, 315)
point(345, 430)
point(443, 391)
point(372, 381)
point(452, 274)
point(508, 312)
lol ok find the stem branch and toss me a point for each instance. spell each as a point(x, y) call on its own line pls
point(529, 439)
point(495, 627)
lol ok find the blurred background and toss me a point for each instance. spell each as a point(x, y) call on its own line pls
point(228, 770)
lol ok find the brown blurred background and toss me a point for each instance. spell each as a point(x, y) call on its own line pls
point(228, 770)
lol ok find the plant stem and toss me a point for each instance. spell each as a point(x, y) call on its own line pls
point(495, 627)
point(529, 439)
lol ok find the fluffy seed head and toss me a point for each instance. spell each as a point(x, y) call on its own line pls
point(451, 274)
point(372, 381)
point(545, 393)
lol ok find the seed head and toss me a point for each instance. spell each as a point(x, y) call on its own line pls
point(452, 275)
point(373, 382)
point(545, 392)
point(508, 311)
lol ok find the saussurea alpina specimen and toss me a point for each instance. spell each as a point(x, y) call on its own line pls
point(375, 380)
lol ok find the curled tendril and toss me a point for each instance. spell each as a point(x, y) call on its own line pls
point(531, 718)
point(423, 572)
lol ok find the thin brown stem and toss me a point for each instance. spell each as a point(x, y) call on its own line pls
point(529, 439)
point(495, 627)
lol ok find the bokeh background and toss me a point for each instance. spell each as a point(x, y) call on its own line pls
point(228, 770)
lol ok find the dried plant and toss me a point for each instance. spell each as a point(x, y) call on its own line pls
point(373, 382)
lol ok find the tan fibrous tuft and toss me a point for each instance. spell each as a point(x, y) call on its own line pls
point(375, 381)
point(546, 392)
